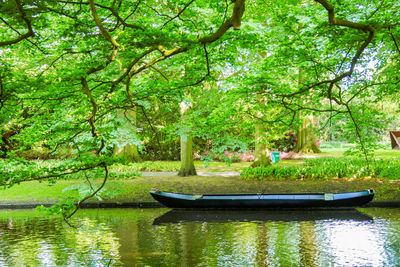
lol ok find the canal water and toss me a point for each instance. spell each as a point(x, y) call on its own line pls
point(164, 237)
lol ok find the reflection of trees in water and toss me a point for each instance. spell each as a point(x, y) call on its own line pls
point(235, 244)
point(49, 241)
point(262, 245)
point(308, 244)
point(24, 240)
point(283, 243)
point(137, 242)
point(129, 237)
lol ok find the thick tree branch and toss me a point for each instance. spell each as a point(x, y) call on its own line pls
point(117, 16)
point(234, 21)
point(92, 115)
point(28, 24)
point(130, 72)
point(165, 54)
point(5, 140)
point(100, 24)
point(129, 68)
point(339, 22)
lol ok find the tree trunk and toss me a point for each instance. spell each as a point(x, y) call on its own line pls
point(128, 151)
point(187, 164)
point(306, 140)
point(261, 153)
point(5, 140)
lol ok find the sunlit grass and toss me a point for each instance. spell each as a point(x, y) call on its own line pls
point(35, 191)
point(137, 190)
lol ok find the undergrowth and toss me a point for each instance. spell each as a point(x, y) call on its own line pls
point(328, 168)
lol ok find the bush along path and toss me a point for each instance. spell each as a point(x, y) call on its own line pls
point(328, 168)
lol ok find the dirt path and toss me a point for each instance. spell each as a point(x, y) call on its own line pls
point(199, 173)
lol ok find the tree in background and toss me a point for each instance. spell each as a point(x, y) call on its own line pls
point(128, 143)
point(306, 139)
point(187, 164)
point(261, 151)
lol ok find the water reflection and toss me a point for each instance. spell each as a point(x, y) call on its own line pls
point(160, 237)
point(286, 215)
point(49, 242)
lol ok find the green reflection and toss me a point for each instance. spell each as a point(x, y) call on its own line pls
point(129, 237)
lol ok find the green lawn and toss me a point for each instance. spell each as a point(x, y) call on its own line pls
point(136, 190)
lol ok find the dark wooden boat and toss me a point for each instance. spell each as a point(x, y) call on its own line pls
point(298, 200)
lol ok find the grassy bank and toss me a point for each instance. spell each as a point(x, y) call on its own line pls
point(136, 190)
point(133, 188)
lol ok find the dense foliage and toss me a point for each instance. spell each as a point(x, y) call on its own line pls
point(80, 78)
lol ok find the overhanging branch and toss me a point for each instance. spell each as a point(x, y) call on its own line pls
point(28, 24)
point(234, 21)
point(344, 23)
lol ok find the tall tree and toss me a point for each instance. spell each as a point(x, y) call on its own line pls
point(306, 139)
point(187, 164)
point(261, 152)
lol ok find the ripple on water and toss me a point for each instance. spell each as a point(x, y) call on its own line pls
point(131, 237)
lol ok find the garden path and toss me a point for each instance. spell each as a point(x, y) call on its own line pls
point(199, 173)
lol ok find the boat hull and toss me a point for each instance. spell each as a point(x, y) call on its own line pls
point(350, 199)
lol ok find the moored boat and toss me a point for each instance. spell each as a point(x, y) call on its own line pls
point(297, 200)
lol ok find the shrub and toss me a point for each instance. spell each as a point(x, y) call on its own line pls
point(326, 168)
point(286, 143)
point(155, 166)
point(227, 156)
